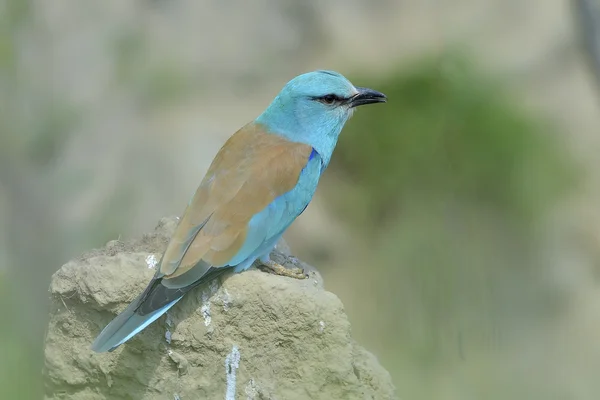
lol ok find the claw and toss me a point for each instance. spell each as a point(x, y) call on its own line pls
point(278, 269)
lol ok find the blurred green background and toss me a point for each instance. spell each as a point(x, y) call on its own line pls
point(459, 223)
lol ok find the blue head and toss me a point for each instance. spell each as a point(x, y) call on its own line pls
point(312, 108)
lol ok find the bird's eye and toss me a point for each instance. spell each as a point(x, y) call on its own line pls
point(329, 99)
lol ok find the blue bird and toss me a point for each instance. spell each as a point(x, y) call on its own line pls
point(259, 182)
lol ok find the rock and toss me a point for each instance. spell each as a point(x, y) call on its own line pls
point(251, 335)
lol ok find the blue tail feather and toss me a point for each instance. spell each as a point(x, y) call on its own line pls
point(126, 325)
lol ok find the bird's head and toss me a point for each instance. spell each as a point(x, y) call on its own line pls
point(313, 107)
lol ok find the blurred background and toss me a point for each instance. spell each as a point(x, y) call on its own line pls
point(459, 223)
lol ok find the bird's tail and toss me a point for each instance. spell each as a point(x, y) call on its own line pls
point(127, 324)
point(154, 301)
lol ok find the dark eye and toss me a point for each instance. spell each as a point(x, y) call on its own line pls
point(329, 99)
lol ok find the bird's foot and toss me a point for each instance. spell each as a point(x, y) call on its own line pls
point(278, 269)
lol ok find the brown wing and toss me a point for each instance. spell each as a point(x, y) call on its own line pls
point(252, 168)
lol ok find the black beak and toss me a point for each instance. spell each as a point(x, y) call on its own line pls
point(367, 96)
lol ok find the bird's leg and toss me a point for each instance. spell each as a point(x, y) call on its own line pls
point(278, 269)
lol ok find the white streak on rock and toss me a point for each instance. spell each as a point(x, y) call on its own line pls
point(232, 363)
point(151, 261)
point(321, 326)
point(226, 300)
point(205, 309)
point(213, 286)
point(168, 333)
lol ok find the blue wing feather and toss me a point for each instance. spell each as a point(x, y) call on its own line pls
point(266, 227)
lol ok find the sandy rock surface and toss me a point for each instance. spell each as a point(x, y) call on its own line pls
point(244, 336)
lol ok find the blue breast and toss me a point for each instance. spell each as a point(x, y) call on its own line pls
point(298, 198)
point(273, 220)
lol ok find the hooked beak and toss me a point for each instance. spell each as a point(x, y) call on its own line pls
point(366, 96)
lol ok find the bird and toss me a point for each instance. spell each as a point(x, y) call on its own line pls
point(259, 182)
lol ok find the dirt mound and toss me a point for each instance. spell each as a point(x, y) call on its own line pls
point(244, 336)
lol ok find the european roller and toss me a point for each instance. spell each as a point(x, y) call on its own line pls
point(259, 182)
